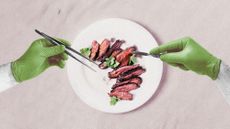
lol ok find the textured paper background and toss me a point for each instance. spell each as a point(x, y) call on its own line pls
point(184, 100)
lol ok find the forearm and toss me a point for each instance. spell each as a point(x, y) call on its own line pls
point(6, 77)
point(223, 81)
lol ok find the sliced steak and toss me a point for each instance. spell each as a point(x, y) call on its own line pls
point(121, 95)
point(103, 49)
point(131, 73)
point(124, 54)
point(136, 80)
point(116, 52)
point(115, 73)
point(126, 87)
point(94, 50)
point(114, 47)
point(125, 61)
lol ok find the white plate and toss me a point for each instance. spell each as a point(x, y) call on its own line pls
point(92, 88)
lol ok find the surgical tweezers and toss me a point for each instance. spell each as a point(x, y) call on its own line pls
point(68, 48)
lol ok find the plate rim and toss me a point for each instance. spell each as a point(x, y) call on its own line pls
point(160, 76)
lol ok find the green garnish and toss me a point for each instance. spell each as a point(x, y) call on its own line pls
point(85, 51)
point(116, 64)
point(132, 60)
point(113, 100)
point(111, 62)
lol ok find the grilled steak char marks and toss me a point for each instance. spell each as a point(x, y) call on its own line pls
point(94, 50)
point(136, 80)
point(114, 47)
point(125, 61)
point(131, 73)
point(126, 87)
point(121, 95)
point(103, 49)
point(124, 55)
point(115, 73)
point(116, 52)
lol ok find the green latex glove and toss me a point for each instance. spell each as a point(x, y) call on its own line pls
point(186, 54)
point(40, 56)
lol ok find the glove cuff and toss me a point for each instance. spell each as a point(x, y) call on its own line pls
point(15, 71)
point(214, 68)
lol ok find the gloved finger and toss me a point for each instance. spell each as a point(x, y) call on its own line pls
point(173, 64)
point(183, 67)
point(52, 51)
point(64, 56)
point(45, 65)
point(175, 45)
point(61, 64)
point(172, 58)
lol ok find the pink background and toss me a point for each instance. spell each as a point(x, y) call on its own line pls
point(183, 101)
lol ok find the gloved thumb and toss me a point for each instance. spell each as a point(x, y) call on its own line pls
point(54, 50)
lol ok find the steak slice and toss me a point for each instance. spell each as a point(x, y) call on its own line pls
point(115, 73)
point(121, 95)
point(125, 54)
point(131, 73)
point(94, 50)
point(103, 49)
point(125, 61)
point(116, 52)
point(136, 80)
point(126, 87)
point(114, 47)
